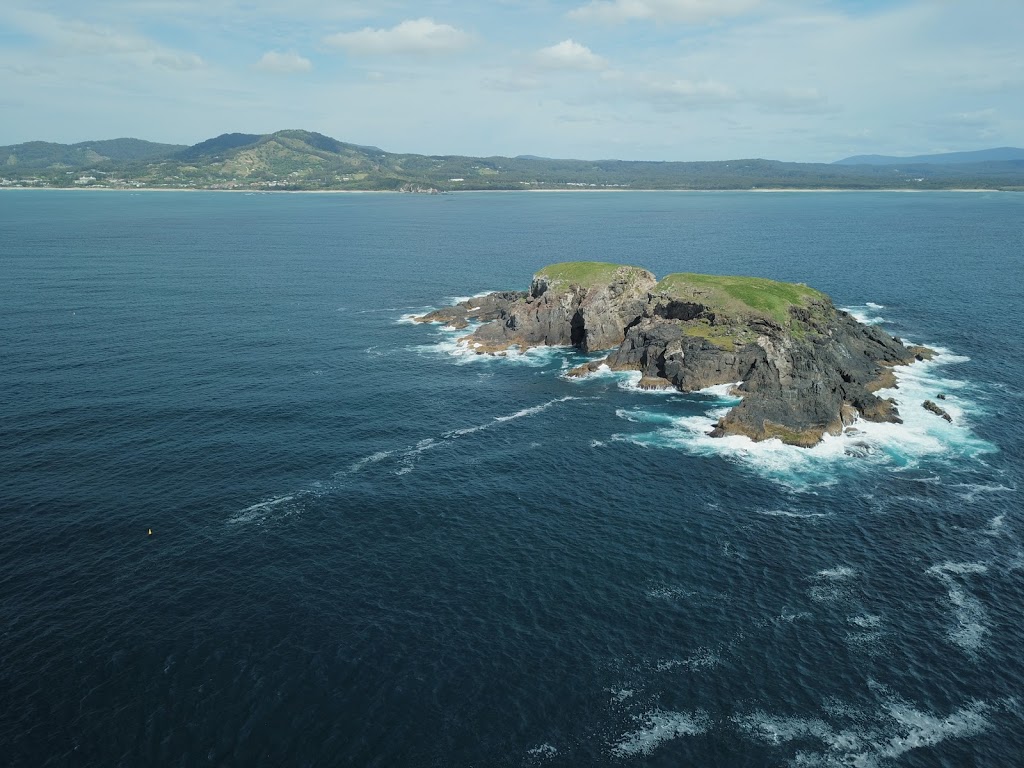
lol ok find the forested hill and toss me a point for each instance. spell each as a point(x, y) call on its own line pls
point(301, 160)
point(998, 154)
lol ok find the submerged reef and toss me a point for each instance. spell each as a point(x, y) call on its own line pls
point(802, 367)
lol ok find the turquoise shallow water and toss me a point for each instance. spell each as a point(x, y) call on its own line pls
point(369, 549)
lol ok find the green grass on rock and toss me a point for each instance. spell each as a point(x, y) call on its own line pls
point(732, 294)
point(583, 273)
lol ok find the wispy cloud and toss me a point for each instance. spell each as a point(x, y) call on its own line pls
point(286, 63)
point(685, 11)
point(979, 117)
point(413, 36)
point(682, 92)
point(71, 37)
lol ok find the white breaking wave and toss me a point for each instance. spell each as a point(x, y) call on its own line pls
point(898, 446)
point(453, 345)
point(453, 300)
point(629, 381)
point(659, 726)
point(866, 313)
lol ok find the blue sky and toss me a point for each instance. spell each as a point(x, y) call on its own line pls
point(806, 80)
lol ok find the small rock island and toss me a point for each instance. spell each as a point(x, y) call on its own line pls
point(802, 367)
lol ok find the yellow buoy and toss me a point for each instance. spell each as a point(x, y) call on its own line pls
point(150, 531)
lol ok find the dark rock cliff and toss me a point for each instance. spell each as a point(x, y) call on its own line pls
point(802, 367)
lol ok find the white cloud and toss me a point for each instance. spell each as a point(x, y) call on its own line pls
point(686, 11)
point(670, 93)
point(287, 63)
point(790, 79)
point(417, 36)
point(569, 54)
point(70, 37)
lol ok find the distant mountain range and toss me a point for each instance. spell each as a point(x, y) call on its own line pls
point(302, 160)
point(999, 154)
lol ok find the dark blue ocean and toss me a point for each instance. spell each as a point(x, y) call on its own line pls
point(370, 548)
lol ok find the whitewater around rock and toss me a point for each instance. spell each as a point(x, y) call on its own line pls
point(804, 368)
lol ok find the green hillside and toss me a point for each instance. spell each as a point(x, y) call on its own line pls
point(108, 153)
point(302, 160)
point(738, 295)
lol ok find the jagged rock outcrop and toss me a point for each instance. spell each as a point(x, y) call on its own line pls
point(587, 308)
point(928, 405)
point(477, 309)
point(802, 367)
point(813, 376)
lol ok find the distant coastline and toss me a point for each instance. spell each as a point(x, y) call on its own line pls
point(495, 191)
point(303, 161)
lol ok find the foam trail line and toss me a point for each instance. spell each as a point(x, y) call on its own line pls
point(288, 504)
point(257, 513)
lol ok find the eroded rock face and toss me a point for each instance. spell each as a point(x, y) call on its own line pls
point(812, 375)
point(589, 317)
point(476, 309)
point(802, 372)
point(662, 348)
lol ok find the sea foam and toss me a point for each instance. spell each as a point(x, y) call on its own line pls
point(969, 626)
point(659, 726)
point(452, 344)
point(866, 313)
point(280, 506)
point(867, 739)
point(399, 461)
point(866, 444)
point(407, 457)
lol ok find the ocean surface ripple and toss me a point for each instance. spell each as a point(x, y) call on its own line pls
point(371, 547)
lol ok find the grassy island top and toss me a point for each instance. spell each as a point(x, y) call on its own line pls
point(733, 294)
point(585, 273)
point(727, 294)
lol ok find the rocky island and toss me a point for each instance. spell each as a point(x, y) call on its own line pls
point(802, 367)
